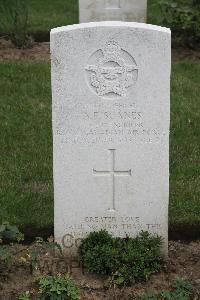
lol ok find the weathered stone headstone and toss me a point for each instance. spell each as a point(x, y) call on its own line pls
point(111, 113)
point(112, 10)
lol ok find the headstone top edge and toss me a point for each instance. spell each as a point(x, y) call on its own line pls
point(110, 24)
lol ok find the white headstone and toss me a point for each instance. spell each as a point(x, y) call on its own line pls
point(112, 10)
point(111, 116)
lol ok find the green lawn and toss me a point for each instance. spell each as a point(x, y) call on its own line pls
point(26, 193)
point(185, 144)
point(47, 14)
point(26, 189)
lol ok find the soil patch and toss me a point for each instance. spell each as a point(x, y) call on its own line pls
point(41, 52)
point(181, 53)
point(38, 52)
point(184, 262)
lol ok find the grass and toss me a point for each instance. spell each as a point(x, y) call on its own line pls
point(47, 14)
point(26, 189)
point(185, 144)
point(26, 195)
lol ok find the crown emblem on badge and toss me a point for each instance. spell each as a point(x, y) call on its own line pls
point(114, 72)
point(111, 48)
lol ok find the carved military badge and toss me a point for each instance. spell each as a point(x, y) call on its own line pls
point(111, 71)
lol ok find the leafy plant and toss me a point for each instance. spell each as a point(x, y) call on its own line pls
point(24, 296)
point(14, 21)
point(42, 249)
point(49, 244)
point(181, 290)
point(58, 288)
point(125, 260)
point(33, 258)
point(10, 233)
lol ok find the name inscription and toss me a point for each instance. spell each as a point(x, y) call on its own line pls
point(99, 124)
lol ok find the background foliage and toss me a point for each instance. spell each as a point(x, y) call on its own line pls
point(183, 18)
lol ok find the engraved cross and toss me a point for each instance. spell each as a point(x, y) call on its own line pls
point(112, 173)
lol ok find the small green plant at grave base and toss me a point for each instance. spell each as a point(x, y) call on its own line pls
point(10, 233)
point(57, 288)
point(39, 240)
point(24, 296)
point(50, 244)
point(14, 21)
point(125, 260)
point(33, 260)
point(41, 250)
point(181, 290)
